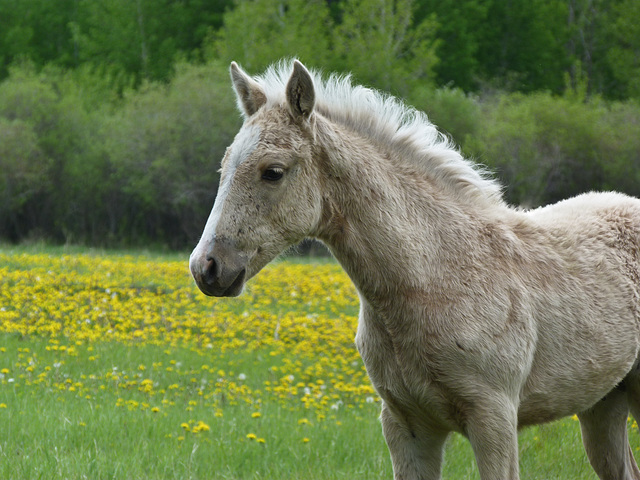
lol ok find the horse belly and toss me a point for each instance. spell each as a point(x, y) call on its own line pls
point(581, 354)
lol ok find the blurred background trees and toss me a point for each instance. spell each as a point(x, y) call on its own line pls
point(114, 114)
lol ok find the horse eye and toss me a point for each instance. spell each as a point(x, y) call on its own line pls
point(272, 174)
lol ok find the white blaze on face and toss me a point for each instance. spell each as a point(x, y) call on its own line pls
point(242, 147)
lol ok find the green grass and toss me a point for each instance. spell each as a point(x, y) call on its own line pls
point(224, 399)
point(105, 429)
point(55, 433)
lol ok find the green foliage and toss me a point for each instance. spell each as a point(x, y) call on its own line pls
point(384, 47)
point(259, 32)
point(522, 47)
point(547, 148)
point(37, 30)
point(140, 38)
point(461, 28)
point(624, 55)
point(164, 146)
point(143, 168)
point(57, 130)
point(23, 169)
point(621, 165)
point(468, 44)
point(111, 129)
point(135, 36)
point(451, 110)
point(81, 163)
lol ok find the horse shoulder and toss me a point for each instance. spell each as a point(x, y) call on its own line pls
point(437, 361)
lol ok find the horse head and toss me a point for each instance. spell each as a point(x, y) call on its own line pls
point(268, 198)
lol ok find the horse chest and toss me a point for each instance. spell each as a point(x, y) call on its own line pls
point(406, 377)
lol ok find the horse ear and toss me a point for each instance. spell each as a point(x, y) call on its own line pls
point(249, 94)
point(301, 94)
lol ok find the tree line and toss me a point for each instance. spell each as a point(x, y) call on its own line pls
point(114, 115)
point(523, 45)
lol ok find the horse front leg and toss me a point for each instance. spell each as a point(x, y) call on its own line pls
point(416, 452)
point(492, 429)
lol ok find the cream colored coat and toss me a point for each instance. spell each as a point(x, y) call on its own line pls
point(475, 317)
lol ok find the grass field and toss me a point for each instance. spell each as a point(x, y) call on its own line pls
point(114, 366)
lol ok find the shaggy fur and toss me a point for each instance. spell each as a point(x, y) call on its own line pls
point(475, 317)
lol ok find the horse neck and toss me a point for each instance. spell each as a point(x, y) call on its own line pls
point(394, 230)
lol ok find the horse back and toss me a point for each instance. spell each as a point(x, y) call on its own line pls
point(601, 227)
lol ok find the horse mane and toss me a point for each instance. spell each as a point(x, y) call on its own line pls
point(389, 121)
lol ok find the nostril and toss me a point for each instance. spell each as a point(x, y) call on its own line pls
point(211, 271)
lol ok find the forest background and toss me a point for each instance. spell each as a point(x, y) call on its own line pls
point(114, 114)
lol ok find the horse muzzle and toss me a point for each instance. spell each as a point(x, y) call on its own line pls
point(220, 272)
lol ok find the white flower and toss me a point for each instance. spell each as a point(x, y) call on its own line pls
point(242, 376)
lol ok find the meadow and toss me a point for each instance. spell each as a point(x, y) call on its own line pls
point(114, 366)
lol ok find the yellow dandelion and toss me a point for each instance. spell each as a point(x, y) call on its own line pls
point(201, 427)
point(251, 436)
point(305, 440)
point(256, 415)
